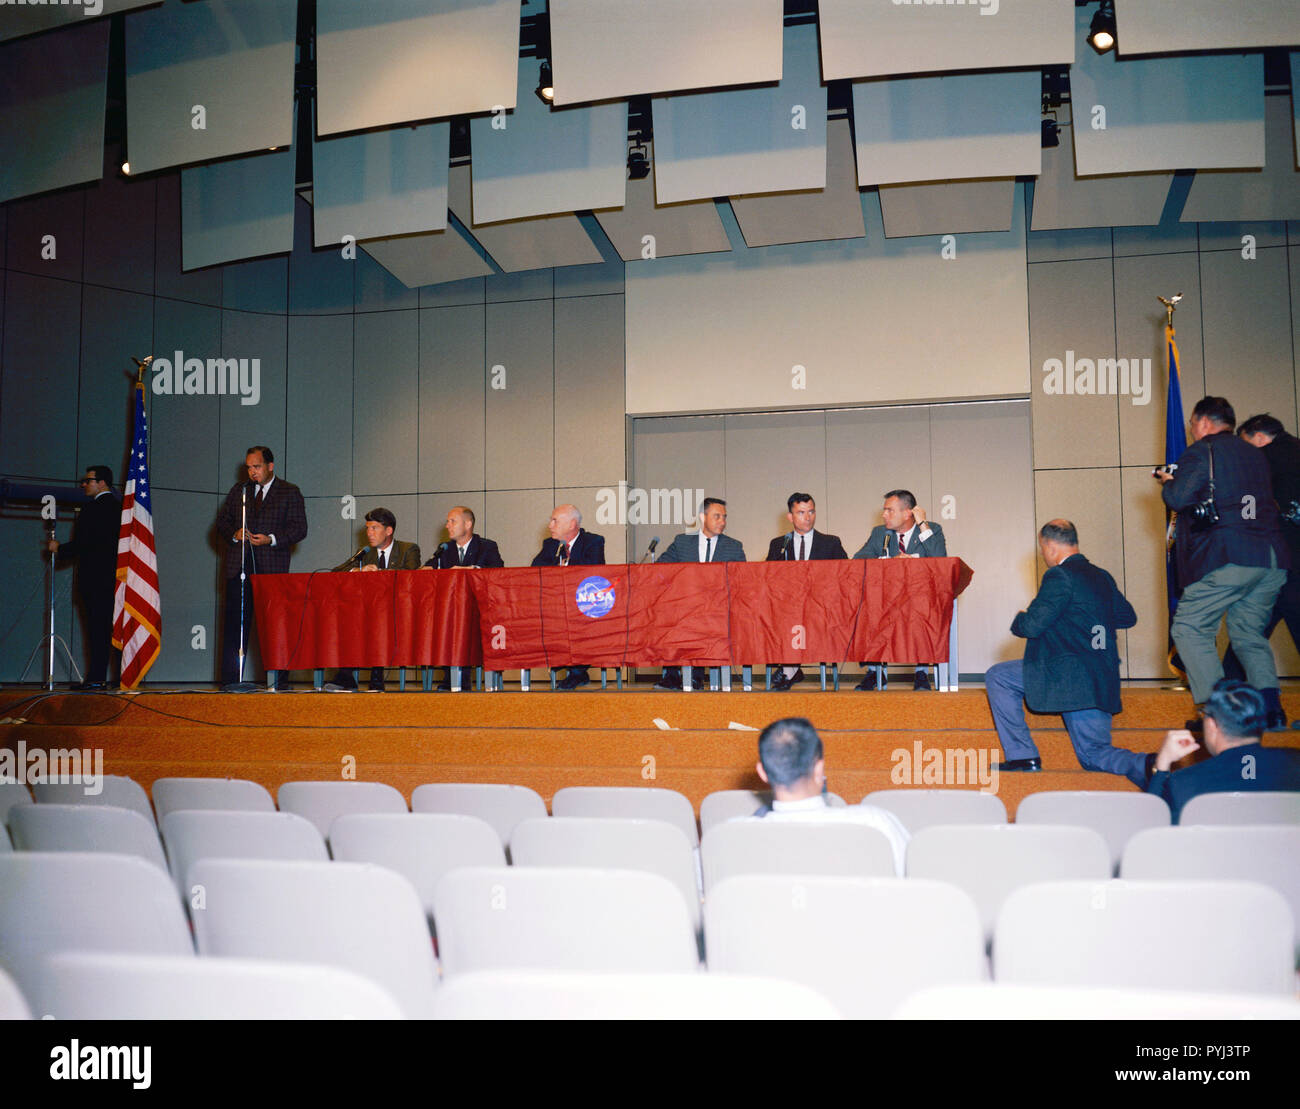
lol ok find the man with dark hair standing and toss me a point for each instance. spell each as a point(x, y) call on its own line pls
point(570, 545)
point(905, 532)
point(1071, 662)
point(94, 548)
point(709, 544)
point(801, 544)
point(1282, 452)
point(277, 519)
point(464, 548)
point(1232, 560)
point(1233, 721)
point(791, 761)
point(382, 552)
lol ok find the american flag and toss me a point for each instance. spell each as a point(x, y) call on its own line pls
point(137, 612)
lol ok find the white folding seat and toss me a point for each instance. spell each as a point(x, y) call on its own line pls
point(13, 1006)
point(863, 943)
point(349, 915)
point(919, 808)
point(420, 846)
point(48, 827)
point(12, 793)
point(727, 804)
point(612, 843)
point(989, 861)
point(112, 789)
point(66, 901)
point(1262, 807)
point(578, 995)
point(6, 845)
point(193, 834)
point(998, 1001)
point(226, 794)
point(1215, 937)
point(561, 918)
point(1117, 814)
point(639, 802)
point(321, 802)
point(839, 849)
point(1266, 853)
point(501, 806)
point(83, 986)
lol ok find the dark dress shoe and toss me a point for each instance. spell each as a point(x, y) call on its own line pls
point(669, 683)
point(575, 680)
point(1014, 765)
point(443, 686)
point(782, 684)
point(922, 680)
point(868, 682)
point(376, 687)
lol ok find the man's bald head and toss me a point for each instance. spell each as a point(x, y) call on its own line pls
point(1058, 540)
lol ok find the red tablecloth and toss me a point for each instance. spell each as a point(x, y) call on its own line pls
point(709, 615)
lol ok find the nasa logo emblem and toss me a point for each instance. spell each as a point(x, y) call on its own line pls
point(595, 597)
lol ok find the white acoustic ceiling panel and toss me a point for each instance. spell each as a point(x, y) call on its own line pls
point(1272, 193)
point(236, 209)
point(524, 244)
point(53, 91)
point(940, 208)
point(380, 183)
point(1063, 201)
point(770, 139)
point(834, 212)
point(1174, 26)
point(875, 38)
point(644, 230)
point(208, 80)
point(18, 18)
point(948, 128)
point(1134, 115)
point(428, 259)
point(537, 160)
point(395, 61)
point(608, 49)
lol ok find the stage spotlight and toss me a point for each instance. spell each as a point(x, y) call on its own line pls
point(545, 86)
point(638, 164)
point(1101, 35)
point(1051, 134)
point(126, 169)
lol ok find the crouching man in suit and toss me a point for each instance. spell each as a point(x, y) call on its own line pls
point(382, 552)
point(707, 545)
point(1071, 663)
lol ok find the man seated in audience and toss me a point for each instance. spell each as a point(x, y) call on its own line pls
point(790, 760)
point(1233, 721)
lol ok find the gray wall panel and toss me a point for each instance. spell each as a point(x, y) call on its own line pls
point(247, 335)
point(452, 403)
point(1169, 237)
point(1229, 235)
point(183, 430)
point(258, 286)
point(114, 326)
point(188, 584)
point(589, 403)
point(120, 233)
point(203, 286)
point(524, 285)
point(518, 519)
point(330, 534)
point(768, 458)
point(593, 280)
point(318, 436)
point(433, 509)
point(386, 412)
point(38, 408)
point(1071, 309)
point(1069, 244)
point(1144, 573)
point(377, 289)
point(320, 281)
point(469, 290)
point(520, 418)
point(679, 452)
point(60, 215)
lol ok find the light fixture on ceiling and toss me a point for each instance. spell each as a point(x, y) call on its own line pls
point(126, 169)
point(638, 163)
point(545, 86)
point(1101, 35)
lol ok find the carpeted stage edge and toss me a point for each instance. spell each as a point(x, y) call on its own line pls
point(547, 740)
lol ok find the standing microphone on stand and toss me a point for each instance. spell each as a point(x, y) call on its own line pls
point(651, 549)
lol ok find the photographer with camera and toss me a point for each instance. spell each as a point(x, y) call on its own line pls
point(1282, 451)
point(1232, 559)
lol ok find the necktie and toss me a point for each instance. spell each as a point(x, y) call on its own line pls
point(383, 560)
point(799, 557)
point(257, 499)
point(564, 554)
point(462, 555)
point(902, 548)
point(708, 557)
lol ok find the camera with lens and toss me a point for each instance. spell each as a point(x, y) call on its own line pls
point(1202, 515)
point(1291, 513)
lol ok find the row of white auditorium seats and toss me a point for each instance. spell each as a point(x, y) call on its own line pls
point(988, 861)
point(865, 944)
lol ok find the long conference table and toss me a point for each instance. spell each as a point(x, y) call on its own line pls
point(715, 615)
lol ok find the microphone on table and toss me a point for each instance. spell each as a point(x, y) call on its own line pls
point(885, 553)
point(785, 547)
point(348, 561)
point(651, 549)
point(437, 555)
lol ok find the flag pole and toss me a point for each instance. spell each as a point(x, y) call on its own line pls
point(1175, 445)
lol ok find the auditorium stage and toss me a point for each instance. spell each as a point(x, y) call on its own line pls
point(691, 742)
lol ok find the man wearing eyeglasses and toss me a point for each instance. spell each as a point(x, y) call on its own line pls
point(93, 547)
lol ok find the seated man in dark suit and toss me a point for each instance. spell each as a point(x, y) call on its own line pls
point(1233, 721)
point(706, 545)
point(1071, 662)
point(464, 548)
point(905, 532)
point(569, 545)
point(800, 545)
point(382, 552)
